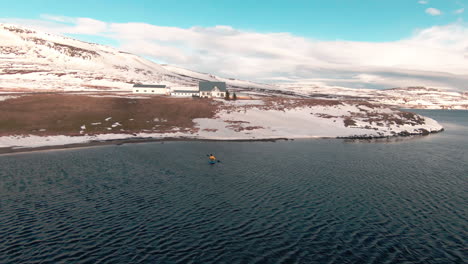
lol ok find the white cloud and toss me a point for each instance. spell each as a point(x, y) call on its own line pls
point(422, 2)
point(436, 56)
point(433, 11)
point(62, 19)
point(459, 11)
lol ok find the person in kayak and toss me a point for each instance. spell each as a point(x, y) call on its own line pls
point(212, 158)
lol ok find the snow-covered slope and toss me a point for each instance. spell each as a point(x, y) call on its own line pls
point(408, 97)
point(32, 61)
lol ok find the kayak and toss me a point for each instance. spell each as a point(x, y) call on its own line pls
point(212, 161)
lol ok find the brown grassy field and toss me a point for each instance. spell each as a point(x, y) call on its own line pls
point(61, 114)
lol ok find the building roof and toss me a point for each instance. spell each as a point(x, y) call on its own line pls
point(149, 86)
point(185, 91)
point(208, 86)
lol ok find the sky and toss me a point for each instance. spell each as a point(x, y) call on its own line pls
point(349, 43)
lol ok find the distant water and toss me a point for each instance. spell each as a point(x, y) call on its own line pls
point(302, 201)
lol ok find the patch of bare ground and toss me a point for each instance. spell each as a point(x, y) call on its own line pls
point(97, 87)
point(236, 122)
point(283, 104)
point(349, 122)
point(278, 103)
point(239, 127)
point(321, 115)
point(210, 129)
point(19, 30)
point(11, 50)
point(61, 114)
point(361, 104)
point(24, 90)
point(73, 51)
point(252, 127)
point(19, 71)
point(399, 118)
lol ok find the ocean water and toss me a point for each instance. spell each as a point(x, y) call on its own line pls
point(302, 201)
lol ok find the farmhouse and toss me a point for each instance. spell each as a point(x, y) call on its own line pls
point(212, 89)
point(150, 89)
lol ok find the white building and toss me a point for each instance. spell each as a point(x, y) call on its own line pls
point(185, 93)
point(151, 89)
point(212, 89)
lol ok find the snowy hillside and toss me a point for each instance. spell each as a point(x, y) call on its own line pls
point(32, 61)
point(409, 97)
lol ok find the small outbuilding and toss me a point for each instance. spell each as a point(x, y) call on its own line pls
point(151, 89)
point(212, 89)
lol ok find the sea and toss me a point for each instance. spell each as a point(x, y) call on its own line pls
point(400, 200)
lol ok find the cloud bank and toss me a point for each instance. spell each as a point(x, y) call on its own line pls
point(436, 56)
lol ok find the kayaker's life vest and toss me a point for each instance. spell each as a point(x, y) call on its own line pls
point(212, 158)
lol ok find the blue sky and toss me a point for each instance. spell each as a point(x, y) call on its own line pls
point(353, 43)
point(359, 20)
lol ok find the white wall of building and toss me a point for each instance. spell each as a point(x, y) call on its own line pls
point(213, 94)
point(183, 94)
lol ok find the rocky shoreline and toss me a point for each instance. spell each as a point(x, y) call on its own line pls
point(423, 132)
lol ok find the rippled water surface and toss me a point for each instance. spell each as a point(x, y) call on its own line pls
point(302, 201)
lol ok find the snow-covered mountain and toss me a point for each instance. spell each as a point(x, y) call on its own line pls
point(33, 60)
point(408, 97)
point(36, 61)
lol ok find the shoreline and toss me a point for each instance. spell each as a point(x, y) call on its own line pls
point(119, 142)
